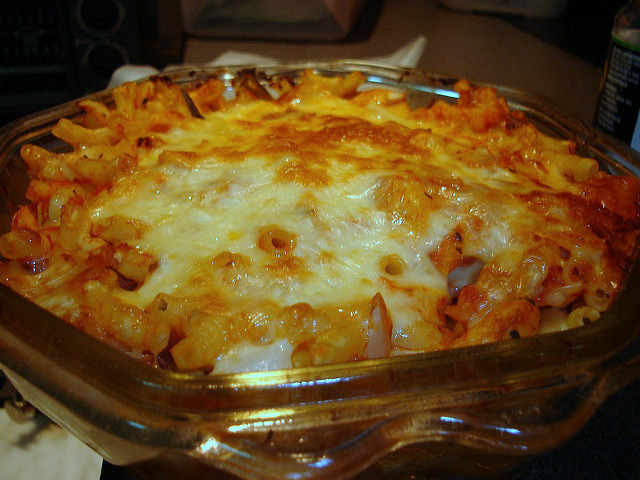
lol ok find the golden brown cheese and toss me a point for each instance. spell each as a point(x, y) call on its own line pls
point(331, 224)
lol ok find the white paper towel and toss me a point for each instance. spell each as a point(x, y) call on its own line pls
point(40, 450)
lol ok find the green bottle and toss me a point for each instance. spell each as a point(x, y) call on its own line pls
point(619, 99)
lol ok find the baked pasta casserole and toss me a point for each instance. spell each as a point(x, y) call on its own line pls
point(313, 221)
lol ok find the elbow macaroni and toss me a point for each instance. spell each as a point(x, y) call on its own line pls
point(327, 225)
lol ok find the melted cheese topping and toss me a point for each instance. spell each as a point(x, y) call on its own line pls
point(326, 226)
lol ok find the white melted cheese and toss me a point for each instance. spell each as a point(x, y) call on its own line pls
point(215, 206)
point(220, 202)
point(199, 213)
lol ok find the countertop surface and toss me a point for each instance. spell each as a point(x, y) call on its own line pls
point(482, 48)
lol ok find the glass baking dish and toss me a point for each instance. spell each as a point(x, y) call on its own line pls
point(478, 412)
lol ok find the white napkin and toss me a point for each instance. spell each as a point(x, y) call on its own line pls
point(408, 55)
point(40, 450)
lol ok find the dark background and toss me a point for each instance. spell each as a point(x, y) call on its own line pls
point(52, 51)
